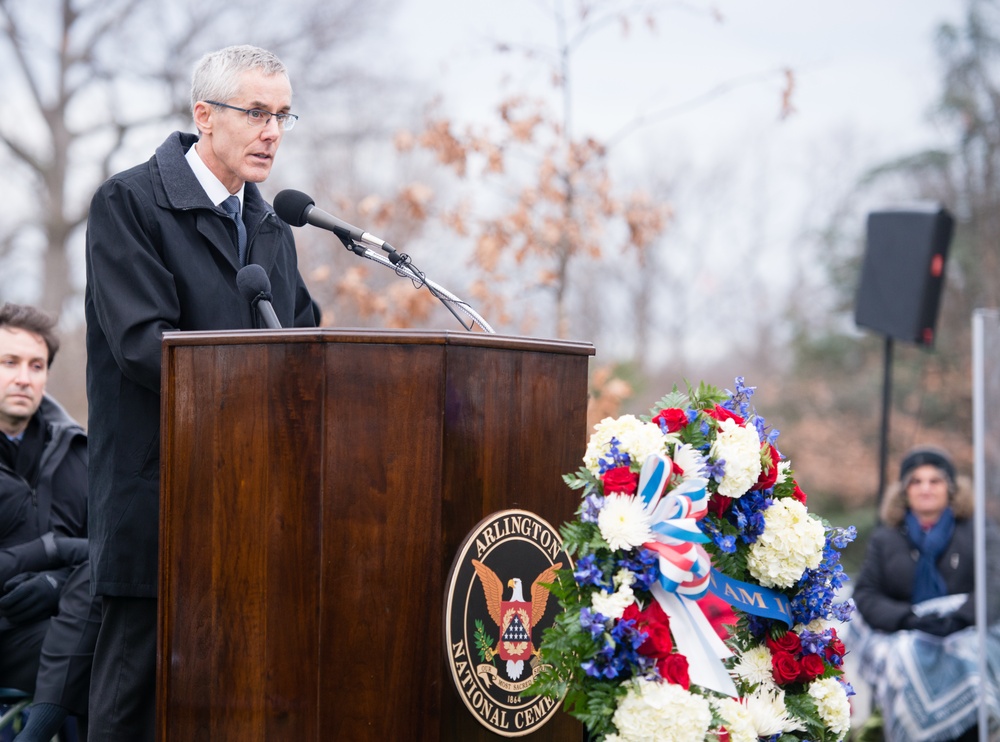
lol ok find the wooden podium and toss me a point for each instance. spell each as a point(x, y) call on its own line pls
point(315, 487)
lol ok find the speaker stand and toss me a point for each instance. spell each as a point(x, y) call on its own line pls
point(883, 449)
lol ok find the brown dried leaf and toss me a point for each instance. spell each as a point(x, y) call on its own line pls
point(787, 107)
point(404, 140)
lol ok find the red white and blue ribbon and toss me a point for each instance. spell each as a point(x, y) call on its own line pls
point(684, 569)
point(685, 566)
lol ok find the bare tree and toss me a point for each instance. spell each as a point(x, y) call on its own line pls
point(836, 384)
point(88, 82)
point(558, 205)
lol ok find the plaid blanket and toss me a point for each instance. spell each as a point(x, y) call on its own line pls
point(928, 688)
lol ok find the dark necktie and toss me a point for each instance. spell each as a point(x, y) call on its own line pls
point(232, 207)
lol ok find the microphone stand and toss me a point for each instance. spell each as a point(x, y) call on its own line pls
point(402, 266)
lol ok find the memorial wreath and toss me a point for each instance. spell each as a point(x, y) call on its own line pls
point(695, 498)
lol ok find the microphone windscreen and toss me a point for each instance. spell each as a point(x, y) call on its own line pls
point(252, 281)
point(291, 206)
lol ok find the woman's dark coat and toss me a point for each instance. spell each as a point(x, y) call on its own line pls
point(885, 584)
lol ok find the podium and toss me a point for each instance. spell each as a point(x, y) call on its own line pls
point(315, 487)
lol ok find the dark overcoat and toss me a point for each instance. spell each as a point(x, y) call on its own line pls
point(160, 257)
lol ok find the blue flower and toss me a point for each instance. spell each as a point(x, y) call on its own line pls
point(644, 567)
point(608, 662)
point(747, 514)
point(841, 537)
point(715, 469)
point(759, 627)
point(614, 458)
point(591, 507)
point(843, 611)
point(726, 543)
point(814, 642)
point(587, 572)
point(740, 400)
point(592, 622)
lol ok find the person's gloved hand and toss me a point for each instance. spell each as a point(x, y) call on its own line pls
point(72, 551)
point(29, 597)
point(936, 625)
point(65, 551)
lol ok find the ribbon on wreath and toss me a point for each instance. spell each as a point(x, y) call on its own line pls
point(685, 569)
point(749, 598)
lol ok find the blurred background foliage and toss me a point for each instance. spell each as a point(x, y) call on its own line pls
point(528, 215)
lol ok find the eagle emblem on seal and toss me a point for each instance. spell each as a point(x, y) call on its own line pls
point(513, 616)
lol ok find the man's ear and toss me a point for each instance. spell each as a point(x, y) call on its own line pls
point(203, 116)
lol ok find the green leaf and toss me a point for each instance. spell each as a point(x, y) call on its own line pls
point(483, 640)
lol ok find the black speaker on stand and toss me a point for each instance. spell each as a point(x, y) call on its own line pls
point(900, 288)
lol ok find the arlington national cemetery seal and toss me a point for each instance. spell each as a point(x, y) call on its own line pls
point(495, 611)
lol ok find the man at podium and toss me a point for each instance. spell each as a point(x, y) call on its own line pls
point(165, 241)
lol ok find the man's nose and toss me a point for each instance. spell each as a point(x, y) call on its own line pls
point(271, 130)
point(23, 376)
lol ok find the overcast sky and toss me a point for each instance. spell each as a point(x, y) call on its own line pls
point(865, 69)
point(868, 63)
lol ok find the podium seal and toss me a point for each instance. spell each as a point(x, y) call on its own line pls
point(496, 607)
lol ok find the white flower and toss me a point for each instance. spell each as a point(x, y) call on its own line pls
point(613, 605)
point(792, 542)
point(737, 720)
point(831, 701)
point(754, 667)
point(816, 626)
point(690, 460)
point(655, 711)
point(623, 577)
point(636, 438)
point(769, 714)
point(739, 447)
point(624, 522)
point(783, 469)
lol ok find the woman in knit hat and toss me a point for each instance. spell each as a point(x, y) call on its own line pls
point(915, 638)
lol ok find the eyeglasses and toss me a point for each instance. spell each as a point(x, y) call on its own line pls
point(260, 117)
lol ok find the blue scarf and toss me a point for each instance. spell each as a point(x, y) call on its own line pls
point(931, 544)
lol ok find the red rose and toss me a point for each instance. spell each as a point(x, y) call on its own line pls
point(768, 476)
point(620, 479)
point(656, 624)
point(658, 643)
point(835, 648)
point(719, 504)
point(723, 734)
point(798, 494)
point(674, 669)
point(672, 418)
point(720, 413)
point(784, 668)
point(811, 667)
point(788, 642)
point(631, 613)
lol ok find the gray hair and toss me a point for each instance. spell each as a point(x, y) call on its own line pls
point(217, 74)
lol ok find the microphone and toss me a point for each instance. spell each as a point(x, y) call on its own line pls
point(255, 288)
point(296, 208)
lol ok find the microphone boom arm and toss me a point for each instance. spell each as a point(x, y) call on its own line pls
point(404, 268)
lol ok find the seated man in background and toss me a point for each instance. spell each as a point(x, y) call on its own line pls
point(48, 619)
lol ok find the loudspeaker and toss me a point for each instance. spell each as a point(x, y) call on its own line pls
point(903, 272)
